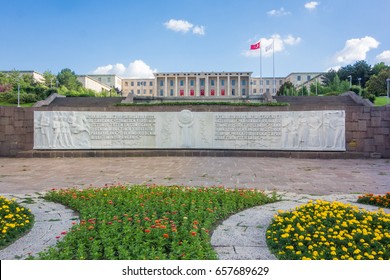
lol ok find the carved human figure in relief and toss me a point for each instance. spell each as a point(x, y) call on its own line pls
point(57, 141)
point(45, 130)
point(186, 121)
point(314, 130)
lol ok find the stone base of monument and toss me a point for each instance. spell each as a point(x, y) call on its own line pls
point(188, 153)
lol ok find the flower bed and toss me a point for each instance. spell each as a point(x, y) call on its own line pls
point(140, 222)
point(15, 221)
point(325, 230)
point(377, 200)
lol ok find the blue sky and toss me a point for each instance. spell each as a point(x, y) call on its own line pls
point(135, 38)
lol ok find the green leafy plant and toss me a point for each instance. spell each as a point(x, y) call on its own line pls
point(15, 221)
point(330, 230)
point(147, 222)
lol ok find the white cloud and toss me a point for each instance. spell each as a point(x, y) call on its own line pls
point(356, 49)
point(136, 69)
point(198, 30)
point(278, 13)
point(266, 44)
point(384, 57)
point(179, 25)
point(311, 5)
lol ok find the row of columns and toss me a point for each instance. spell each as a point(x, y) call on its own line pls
point(198, 87)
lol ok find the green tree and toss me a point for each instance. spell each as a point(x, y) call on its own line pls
point(359, 70)
point(68, 79)
point(287, 89)
point(50, 79)
point(377, 84)
point(379, 67)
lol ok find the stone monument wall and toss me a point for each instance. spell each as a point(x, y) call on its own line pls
point(366, 130)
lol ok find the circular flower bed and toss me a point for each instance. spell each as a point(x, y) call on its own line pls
point(147, 222)
point(377, 200)
point(330, 230)
point(15, 220)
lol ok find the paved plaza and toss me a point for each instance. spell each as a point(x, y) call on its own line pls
point(303, 176)
point(242, 236)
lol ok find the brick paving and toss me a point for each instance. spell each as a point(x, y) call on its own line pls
point(305, 176)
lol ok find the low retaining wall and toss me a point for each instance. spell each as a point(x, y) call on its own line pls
point(367, 131)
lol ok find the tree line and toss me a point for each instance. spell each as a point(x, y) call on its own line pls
point(30, 90)
point(360, 77)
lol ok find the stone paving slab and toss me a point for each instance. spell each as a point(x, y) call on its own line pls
point(243, 235)
point(51, 219)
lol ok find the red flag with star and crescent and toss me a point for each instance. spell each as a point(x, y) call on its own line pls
point(255, 46)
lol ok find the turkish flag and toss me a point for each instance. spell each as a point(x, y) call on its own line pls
point(255, 46)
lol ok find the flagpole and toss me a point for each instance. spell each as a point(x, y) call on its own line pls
point(261, 77)
point(273, 64)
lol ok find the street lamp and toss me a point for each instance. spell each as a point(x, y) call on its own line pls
point(350, 81)
point(18, 94)
point(387, 99)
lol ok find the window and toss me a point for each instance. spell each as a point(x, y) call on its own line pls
point(267, 82)
point(298, 78)
point(161, 92)
point(126, 84)
point(243, 82)
point(171, 92)
point(171, 83)
point(138, 84)
point(181, 83)
point(212, 92)
point(267, 91)
point(201, 83)
point(254, 90)
point(222, 82)
point(192, 92)
point(280, 82)
point(151, 92)
point(233, 91)
point(144, 91)
point(212, 82)
point(222, 92)
point(109, 79)
point(233, 82)
point(161, 83)
point(308, 77)
point(243, 91)
point(192, 83)
point(182, 92)
point(138, 91)
point(132, 84)
point(151, 84)
point(202, 92)
point(254, 82)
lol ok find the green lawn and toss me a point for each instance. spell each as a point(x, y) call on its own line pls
point(21, 105)
point(381, 101)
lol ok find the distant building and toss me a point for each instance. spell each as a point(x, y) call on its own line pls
point(90, 83)
point(38, 77)
point(111, 80)
point(138, 86)
point(198, 84)
point(263, 85)
point(305, 79)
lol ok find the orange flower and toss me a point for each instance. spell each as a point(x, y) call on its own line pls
point(165, 235)
point(193, 233)
point(147, 230)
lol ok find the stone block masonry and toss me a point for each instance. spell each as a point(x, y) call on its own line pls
point(366, 131)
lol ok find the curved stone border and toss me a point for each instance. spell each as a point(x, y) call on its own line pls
point(243, 235)
point(51, 219)
point(240, 237)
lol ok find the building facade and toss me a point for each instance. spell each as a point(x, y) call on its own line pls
point(198, 84)
point(264, 85)
point(111, 80)
point(90, 83)
point(138, 86)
